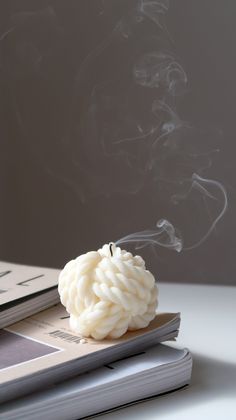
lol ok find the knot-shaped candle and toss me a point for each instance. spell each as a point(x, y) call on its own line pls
point(108, 292)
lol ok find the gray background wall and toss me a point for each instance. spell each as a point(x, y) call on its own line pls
point(69, 95)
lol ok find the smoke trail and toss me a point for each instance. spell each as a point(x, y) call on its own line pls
point(126, 134)
point(159, 69)
point(203, 185)
point(154, 10)
point(163, 235)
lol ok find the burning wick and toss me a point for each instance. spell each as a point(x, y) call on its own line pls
point(108, 296)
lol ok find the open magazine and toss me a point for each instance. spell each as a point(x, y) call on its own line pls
point(41, 350)
point(25, 290)
point(149, 373)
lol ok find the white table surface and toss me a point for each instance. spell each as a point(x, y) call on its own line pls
point(208, 329)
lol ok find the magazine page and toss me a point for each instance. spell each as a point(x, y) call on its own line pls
point(45, 340)
point(18, 281)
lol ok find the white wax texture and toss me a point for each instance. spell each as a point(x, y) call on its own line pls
point(108, 292)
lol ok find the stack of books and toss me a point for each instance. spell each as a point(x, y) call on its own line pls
point(48, 370)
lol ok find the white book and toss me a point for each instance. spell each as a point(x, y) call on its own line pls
point(149, 373)
point(25, 290)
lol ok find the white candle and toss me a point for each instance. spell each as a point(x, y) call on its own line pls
point(108, 292)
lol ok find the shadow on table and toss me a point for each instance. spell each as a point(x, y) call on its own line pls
point(211, 379)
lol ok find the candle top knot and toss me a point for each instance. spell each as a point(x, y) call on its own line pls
point(108, 292)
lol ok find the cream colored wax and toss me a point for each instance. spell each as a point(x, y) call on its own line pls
point(108, 292)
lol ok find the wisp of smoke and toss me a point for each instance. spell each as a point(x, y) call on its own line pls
point(203, 185)
point(126, 134)
point(163, 235)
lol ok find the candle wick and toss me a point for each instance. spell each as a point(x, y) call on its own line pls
point(111, 250)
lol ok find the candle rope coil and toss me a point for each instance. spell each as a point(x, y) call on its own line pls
point(107, 293)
